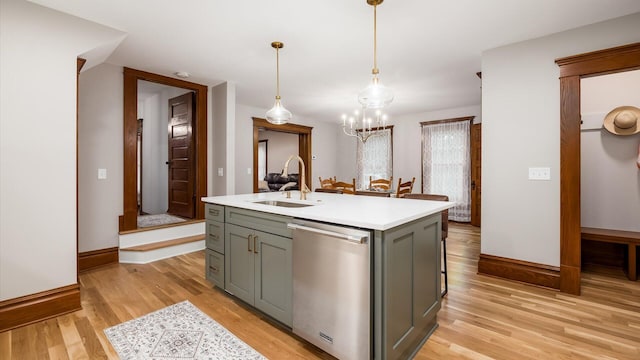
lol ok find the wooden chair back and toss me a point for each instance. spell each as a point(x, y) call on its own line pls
point(373, 193)
point(328, 190)
point(347, 188)
point(380, 184)
point(404, 187)
point(327, 183)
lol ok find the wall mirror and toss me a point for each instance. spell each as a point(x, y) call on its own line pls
point(301, 138)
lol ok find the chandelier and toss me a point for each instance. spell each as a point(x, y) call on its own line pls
point(278, 115)
point(376, 95)
point(363, 127)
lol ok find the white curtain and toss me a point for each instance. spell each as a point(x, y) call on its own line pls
point(446, 164)
point(374, 158)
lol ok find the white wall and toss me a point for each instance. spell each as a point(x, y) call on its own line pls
point(38, 51)
point(521, 129)
point(609, 179)
point(222, 139)
point(99, 146)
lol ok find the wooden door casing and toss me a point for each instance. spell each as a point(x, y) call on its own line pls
point(476, 173)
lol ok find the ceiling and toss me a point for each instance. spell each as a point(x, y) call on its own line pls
point(428, 51)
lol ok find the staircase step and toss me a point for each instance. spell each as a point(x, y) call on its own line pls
point(164, 244)
point(147, 246)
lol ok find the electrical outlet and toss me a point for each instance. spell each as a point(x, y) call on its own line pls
point(220, 172)
point(102, 174)
point(539, 173)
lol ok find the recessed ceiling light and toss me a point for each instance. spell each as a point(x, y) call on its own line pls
point(182, 74)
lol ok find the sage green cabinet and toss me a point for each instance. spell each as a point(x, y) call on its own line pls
point(258, 264)
point(214, 253)
point(407, 286)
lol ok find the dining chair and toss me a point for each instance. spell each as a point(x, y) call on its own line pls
point(380, 184)
point(327, 183)
point(329, 190)
point(404, 187)
point(347, 188)
point(445, 230)
point(373, 193)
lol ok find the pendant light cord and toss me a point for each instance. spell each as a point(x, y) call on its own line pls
point(277, 73)
point(375, 42)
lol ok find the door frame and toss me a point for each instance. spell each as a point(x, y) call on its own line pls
point(476, 186)
point(304, 145)
point(128, 221)
point(572, 69)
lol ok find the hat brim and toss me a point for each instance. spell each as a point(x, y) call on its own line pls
point(610, 126)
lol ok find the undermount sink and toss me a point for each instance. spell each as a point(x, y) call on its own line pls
point(282, 203)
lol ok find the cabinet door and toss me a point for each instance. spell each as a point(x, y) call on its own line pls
point(239, 262)
point(273, 274)
point(409, 271)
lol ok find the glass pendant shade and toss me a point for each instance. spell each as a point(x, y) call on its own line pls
point(376, 95)
point(278, 114)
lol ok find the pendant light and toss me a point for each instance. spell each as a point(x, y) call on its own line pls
point(376, 95)
point(278, 115)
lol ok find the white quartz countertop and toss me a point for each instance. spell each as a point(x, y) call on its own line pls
point(369, 212)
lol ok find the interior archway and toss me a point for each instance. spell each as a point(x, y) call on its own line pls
point(572, 69)
point(128, 221)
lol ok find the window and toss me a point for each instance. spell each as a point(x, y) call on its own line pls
point(374, 157)
point(446, 168)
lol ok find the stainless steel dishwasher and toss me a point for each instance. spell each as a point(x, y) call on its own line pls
point(332, 288)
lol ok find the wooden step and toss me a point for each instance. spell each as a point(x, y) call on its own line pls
point(164, 244)
point(152, 251)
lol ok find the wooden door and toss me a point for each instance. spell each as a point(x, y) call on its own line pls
point(181, 160)
point(476, 166)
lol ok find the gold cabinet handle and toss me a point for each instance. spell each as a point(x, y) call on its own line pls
point(249, 243)
point(214, 212)
point(255, 248)
point(214, 269)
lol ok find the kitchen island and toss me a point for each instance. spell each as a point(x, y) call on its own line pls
point(252, 254)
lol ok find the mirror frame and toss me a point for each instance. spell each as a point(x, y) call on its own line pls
point(304, 145)
point(128, 221)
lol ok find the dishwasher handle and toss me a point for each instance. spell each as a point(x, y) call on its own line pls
point(352, 238)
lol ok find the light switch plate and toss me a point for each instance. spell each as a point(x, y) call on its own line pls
point(539, 173)
point(102, 174)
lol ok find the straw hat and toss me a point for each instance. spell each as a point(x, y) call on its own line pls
point(623, 120)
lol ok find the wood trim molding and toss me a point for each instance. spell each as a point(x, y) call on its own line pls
point(572, 69)
point(304, 145)
point(79, 64)
point(600, 62)
point(444, 121)
point(40, 306)
point(531, 273)
point(130, 128)
point(92, 259)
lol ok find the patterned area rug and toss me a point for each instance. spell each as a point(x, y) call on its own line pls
point(179, 331)
point(157, 219)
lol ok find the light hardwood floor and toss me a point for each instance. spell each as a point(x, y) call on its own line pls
point(481, 317)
